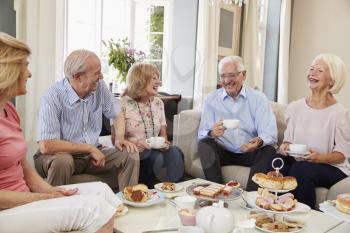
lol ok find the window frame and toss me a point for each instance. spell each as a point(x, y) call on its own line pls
point(99, 16)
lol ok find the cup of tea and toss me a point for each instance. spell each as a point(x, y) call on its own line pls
point(298, 148)
point(156, 142)
point(231, 123)
point(188, 216)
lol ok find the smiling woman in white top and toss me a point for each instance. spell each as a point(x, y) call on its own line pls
point(323, 124)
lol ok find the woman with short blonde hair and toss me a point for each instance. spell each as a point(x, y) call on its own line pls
point(323, 125)
point(25, 197)
point(143, 117)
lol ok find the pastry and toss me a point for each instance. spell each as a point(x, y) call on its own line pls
point(289, 183)
point(342, 203)
point(136, 193)
point(168, 186)
point(275, 180)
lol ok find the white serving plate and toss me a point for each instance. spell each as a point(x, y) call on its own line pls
point(156, 197)
point(299, 207)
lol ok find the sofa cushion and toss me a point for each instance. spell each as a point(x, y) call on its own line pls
point(278, 110)
point(238, 173)
point(196, 169)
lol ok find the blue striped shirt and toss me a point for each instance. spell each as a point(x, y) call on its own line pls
point(64, 116)
point(253, 110)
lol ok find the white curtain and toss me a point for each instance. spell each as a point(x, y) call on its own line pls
point(207, 51)
point(252, 53)
point(36, 26)
point(283, 57)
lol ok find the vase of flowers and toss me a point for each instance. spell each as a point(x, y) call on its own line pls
point(122, 57)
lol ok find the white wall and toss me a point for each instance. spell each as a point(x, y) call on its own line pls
point(318, 26)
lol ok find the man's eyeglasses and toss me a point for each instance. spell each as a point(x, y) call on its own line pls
point(230, 75)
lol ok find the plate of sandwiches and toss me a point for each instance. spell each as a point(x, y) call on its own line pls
point(339, 208)
point(168, 187)
point(276, 223)
point(275, 181)
point(269, 202)
point(140, 196)
point(215, 191)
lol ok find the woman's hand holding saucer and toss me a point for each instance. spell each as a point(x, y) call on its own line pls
point(314, 157)
point(284, 147)
point(166, 146)
point(142, 145)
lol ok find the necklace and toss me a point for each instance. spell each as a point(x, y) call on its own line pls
point(143, 120)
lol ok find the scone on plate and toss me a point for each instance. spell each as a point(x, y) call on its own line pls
point(168, 186)
point(136, 193)
point(289, 183)
point(342, 203)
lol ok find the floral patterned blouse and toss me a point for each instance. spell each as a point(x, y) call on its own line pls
point(142, 120)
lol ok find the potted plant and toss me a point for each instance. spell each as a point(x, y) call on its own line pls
point(122, 57)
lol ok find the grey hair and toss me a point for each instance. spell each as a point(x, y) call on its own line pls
point(232, 59)
point(75, 62)
point(337, 71)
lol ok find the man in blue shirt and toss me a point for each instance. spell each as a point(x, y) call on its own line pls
point(251, 144)
point(69, 124)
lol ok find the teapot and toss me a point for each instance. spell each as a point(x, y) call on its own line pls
point(215, 218)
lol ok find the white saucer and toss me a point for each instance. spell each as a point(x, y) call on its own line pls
point(297, 155)
point(159, 148)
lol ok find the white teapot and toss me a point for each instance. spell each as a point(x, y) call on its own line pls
point(215, 219)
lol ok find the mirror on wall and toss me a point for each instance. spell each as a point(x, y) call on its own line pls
point(229, 29)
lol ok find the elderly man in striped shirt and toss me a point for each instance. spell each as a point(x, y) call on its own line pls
point(70, 121)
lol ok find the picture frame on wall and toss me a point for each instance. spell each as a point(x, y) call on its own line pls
point(229, 29)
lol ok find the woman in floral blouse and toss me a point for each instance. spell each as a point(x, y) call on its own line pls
point(142, 117)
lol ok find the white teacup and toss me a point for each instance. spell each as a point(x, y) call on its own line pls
point(156, 142)
point(230, 123)
point(185, 202)
point(298, 148)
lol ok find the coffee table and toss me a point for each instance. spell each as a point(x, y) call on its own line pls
point(164, 215)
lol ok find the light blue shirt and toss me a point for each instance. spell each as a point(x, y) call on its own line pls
point(64, 116)
point(253, 110)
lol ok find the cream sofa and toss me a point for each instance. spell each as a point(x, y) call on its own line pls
point(186, 125)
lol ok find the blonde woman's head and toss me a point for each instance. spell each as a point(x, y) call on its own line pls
point(13, 62)
point(337, 71)
point(138, 78)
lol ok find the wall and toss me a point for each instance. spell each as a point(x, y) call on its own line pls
point(318, 26)
point(7, 17)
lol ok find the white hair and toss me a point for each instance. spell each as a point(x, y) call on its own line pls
point(232, 59)
point(337, 70)
point(76, 62)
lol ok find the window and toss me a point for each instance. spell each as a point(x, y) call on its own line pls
point(143, 22)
